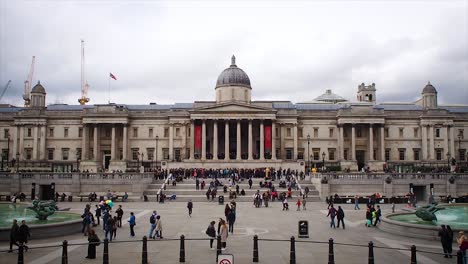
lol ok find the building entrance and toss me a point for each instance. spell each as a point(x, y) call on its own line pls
point(360, 158)
point(46, 192)
point(419, 193)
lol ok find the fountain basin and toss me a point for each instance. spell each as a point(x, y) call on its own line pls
point(58, 224)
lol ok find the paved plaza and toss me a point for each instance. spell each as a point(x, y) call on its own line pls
point(271, 222)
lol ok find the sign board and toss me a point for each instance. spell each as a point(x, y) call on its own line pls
point(303, 229)
point(225, 259)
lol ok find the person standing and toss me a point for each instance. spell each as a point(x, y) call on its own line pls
point(304, 201)
point(152, 225)
point(443, 234)
point(356, 202)
point(211, 232)
point(250, 183)
point(298, 203)
point(93, 242)
point(224, 233)
point(23, 234)
point(159, 227)
point(120, 214)
point(190, 207)
point(378, 214)
point(13, 235)
point(340, 216)
point(462, 242)
point(231, 218)
point(368, 217)
point(132, 223)
point(393, 207)
point(449, 240)
point(332, 214)
point(114, 227)
point(109, 227)
point(98, 214)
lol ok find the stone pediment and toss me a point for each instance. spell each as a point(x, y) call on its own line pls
point(234, 107)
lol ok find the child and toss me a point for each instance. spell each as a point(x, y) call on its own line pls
point(298, 203)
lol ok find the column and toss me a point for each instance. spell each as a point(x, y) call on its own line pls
point(371, 143)
point(382, 142)
point(295, 141)
point(226, 140)
point(431, 142)
point(353, 142)
point(282, 151)
point(34, 154)
point(215, 140)
point(262, 141)
point(95, 143)
point(21, 143)
point(125, 142)
point(249, 149)
point(424, 142)
point(446, 143)
point(171, 141)
point(273, 140)
point(113, 143)
point(452, 141)
point(14, 137)
point(341, 141)
point(184, 150)
point(239, 146)
point(84, 143)
point(42, 149)
point(192, 139)
point(203, 140)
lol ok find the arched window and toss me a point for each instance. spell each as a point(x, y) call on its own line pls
point(370, 97)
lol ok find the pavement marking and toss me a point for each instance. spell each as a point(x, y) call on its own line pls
point(58, 253)
point(400, 244)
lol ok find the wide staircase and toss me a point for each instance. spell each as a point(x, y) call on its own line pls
point(186, 190)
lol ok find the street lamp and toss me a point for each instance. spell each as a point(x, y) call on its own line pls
point(460, 136)
point(308, 154)
point(448, 160)
point(323, 161)
point(156, 152)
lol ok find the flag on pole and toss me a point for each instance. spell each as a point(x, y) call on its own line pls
point(112, 76)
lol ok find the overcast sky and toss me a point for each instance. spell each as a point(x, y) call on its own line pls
point(167, 52)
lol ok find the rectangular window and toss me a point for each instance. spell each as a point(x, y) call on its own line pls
point(187, 153)
point(135, 132)
point(387, 132)
point(276, 131)
point(299, 132)
point(278, 152)
point(416, 154)
point(150, 153)
point(65, 153)
point(331, 154)
point(289, 153)
point(29, 132)
point(4, 154)
point(177, 154)
point(316, 153)
point(345, 133)
point(177, 132)
point(91, 153)
point(51, 132)
point(300, 153)
point(6, 133)
point(28, 153)
point(438, 154)
point(416, 132)
point(150, 132)
point(331, 132)
point(80, 132)
point(78, 153)
point(65, 132)
point(135, 153)
point(315, 132)
point(288, 132)
point(374, 155)
point(108, 132)
point(387, 154)
point(165, 153)
point(401, 129)
point(50, 154)
point(358, 132)
point(166, 132)
point(437, 132)
point(345, 154)
point(401, 153)
point(91, 133)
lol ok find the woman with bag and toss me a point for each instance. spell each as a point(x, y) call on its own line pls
point(224, 234)
point(211, 232)
point(94, 241)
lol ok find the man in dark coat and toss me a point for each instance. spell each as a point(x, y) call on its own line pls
point(120, 214)
point(94, 241)
point(443, 234)
point(13, 235)
point(190, 207)
point(23, 234)
point(231, 218)
point(340, 216)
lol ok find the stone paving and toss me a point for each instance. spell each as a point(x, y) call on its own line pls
point(271, 222)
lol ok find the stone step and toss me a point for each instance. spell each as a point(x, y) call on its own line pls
point(202, 198)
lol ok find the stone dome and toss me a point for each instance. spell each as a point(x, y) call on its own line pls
point(429, 88)
point(330, 97)
point(233, 76)
point(38, 88)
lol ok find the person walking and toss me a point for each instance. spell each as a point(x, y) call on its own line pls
point(23, 234)
point(120, 214)
point(231, 218)
point(93, 242)
point(250, 183)
point(368, 217)
point(224, 233)
point(152, 225)
point(304, 201)
point(340, 216)
point(114, 227)
point(159, 227)
point(190, 207)
point(332, 214)
point(98, 214)
point(356, 202)
point(109, 227)
point(14, 235)
point(211, 232)
point(132, 223)
point(378, 214)
point(443, 234)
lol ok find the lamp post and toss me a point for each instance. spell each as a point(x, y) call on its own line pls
point(460, 136)
point(8, 152)
point(323, 161)
point(308, 154)
point(17, 161)
point(156, 152)
point(448, 160)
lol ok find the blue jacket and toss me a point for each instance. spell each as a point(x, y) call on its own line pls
point(132, 219)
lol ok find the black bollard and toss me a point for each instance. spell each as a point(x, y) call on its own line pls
point(218, 246)
point(413, 254)
point(65, 252)
point(331, 256)
point(144, 252)
point(371, 253)
point(255, 250)
point(182, 249)
point(459, 257)
point(21, 254)
point(105, 255)
point(292, 252)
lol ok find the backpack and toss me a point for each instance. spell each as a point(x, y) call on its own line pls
point(152, 219)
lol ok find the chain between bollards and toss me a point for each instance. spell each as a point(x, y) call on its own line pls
point(21, 254)
point(182, 249)
point(371, 253)
point(255, 249)
point(292, 252)
point(413, 255)
point(65, 252)
point(144, 252)
point(105, 255)
point(331, 255)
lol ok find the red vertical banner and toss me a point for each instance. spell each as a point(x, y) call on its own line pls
point(198, 137)
point(267, 137)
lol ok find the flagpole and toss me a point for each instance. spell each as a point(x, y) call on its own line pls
point(108, 90)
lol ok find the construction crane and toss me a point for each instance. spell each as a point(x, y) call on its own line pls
point(84, 84)
point(4, 90)
point(27, 84)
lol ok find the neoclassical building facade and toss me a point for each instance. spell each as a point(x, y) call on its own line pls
point(234, 131)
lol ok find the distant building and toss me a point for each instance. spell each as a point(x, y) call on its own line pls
point(234, 131)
